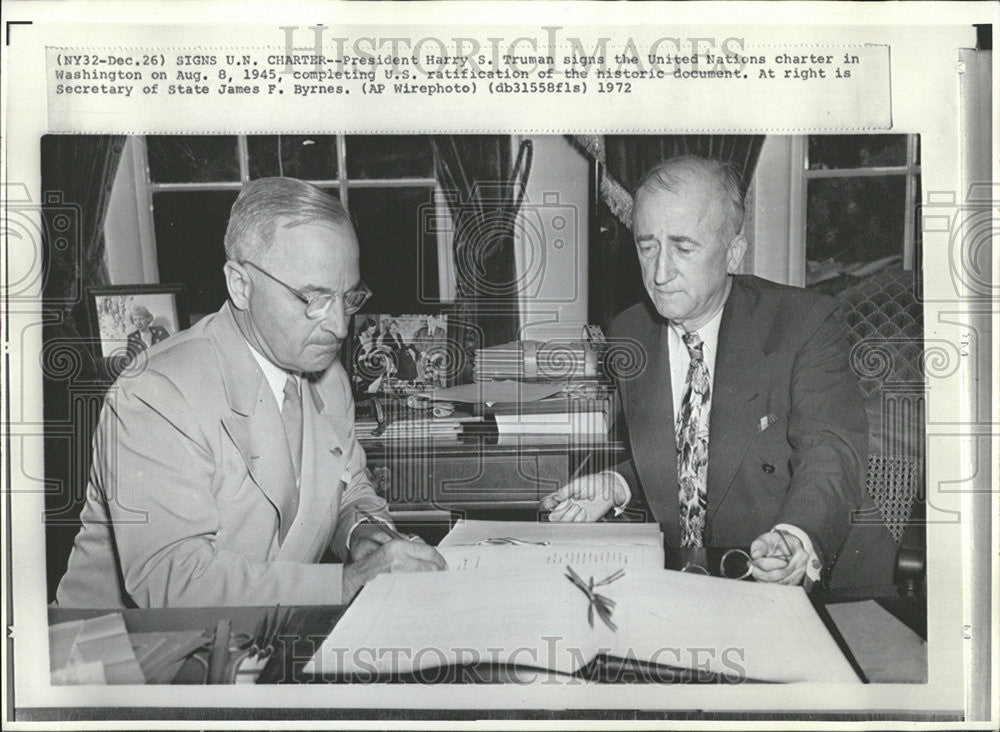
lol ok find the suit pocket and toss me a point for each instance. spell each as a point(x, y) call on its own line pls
point(770, 456)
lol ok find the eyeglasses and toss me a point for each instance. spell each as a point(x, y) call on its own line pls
point(743, 565)
point(318, 304)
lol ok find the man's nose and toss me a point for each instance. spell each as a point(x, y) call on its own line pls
point(336, 320)
point(665, 270)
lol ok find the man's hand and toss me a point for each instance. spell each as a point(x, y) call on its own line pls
point(395, 555)
point(585, 499)
point(769, 552)
point(366, 538)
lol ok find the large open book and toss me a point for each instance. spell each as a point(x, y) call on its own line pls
point(536, 617)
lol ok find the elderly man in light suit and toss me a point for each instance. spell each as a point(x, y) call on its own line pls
point(226, 467)
point(747, 426)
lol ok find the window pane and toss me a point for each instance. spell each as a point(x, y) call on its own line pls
point(389, 156)
point(310, 157)
point(856, 151)
point(190, 227)
point(397, 262)
point(192, 159)
point(855, 219)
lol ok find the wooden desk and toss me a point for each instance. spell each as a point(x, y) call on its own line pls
point(482, 474)
point(309, 626)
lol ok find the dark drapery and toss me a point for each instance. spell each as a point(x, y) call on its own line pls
point(474, 172)
point(629, 156)
point(620, 162)
point(77, 175)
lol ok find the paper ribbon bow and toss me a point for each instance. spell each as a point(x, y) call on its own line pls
point(603, 605)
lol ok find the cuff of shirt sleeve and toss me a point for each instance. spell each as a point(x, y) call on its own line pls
point(623, 485)
point(350, 534)
point(813, 565)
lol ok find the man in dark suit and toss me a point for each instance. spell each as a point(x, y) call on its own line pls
point(746, 425)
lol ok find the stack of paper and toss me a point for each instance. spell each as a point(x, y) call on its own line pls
point(558, 360)
point(410, 428)
point(590, 424)
point(467, 532)
point(514, 545)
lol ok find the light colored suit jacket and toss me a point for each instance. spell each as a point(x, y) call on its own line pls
point(192, 499)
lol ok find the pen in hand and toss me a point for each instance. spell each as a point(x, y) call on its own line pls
point(385, 527)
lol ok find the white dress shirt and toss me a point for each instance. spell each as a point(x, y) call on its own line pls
point(276, 377)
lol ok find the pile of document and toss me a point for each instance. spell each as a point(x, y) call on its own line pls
point(410, 427)
point(515, 545)
point(533, 408)
point(534, 360)
point(582, 404)
point(518, 604)
point(585, 416)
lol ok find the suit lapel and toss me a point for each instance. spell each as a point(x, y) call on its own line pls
point(739, 367)
point(323, 459)
point(254, 423)
point(654, 449)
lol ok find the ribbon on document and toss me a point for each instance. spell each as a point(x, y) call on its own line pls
point(603, 605)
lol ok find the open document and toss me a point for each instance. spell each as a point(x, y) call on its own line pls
point(514, 545)
point(540, 618)
point(469, 533)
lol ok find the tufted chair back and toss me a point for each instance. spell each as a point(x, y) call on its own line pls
point(885, 323)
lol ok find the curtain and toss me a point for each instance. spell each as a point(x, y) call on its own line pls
point(483, 197)
point(619, 163)
point(77, 174)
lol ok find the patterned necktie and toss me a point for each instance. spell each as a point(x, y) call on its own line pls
point(692, 446)
point(291, 415)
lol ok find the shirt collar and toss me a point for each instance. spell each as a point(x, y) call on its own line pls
point(709, 333)
point(276, 377)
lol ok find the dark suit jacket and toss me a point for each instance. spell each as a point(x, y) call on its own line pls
point(783, 355)
point(157, 332)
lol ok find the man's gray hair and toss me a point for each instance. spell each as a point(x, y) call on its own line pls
point(671, 174)
point(265, 203)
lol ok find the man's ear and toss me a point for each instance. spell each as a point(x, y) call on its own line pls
point(734, 255)
point(239, 285)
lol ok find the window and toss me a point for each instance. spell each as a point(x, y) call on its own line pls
point(386, 182)
point(861, 204)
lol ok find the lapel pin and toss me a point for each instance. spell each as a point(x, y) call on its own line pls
point(337, 452)
point(766, 422)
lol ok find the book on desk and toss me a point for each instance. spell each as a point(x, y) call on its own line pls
point(526, 606)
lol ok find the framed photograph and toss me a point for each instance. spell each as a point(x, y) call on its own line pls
point(399, 354)
point(129, 319)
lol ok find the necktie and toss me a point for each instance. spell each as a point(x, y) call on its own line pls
point(692, 446)
point(291, 415)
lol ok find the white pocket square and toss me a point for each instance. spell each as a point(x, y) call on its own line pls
point(766, 421)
